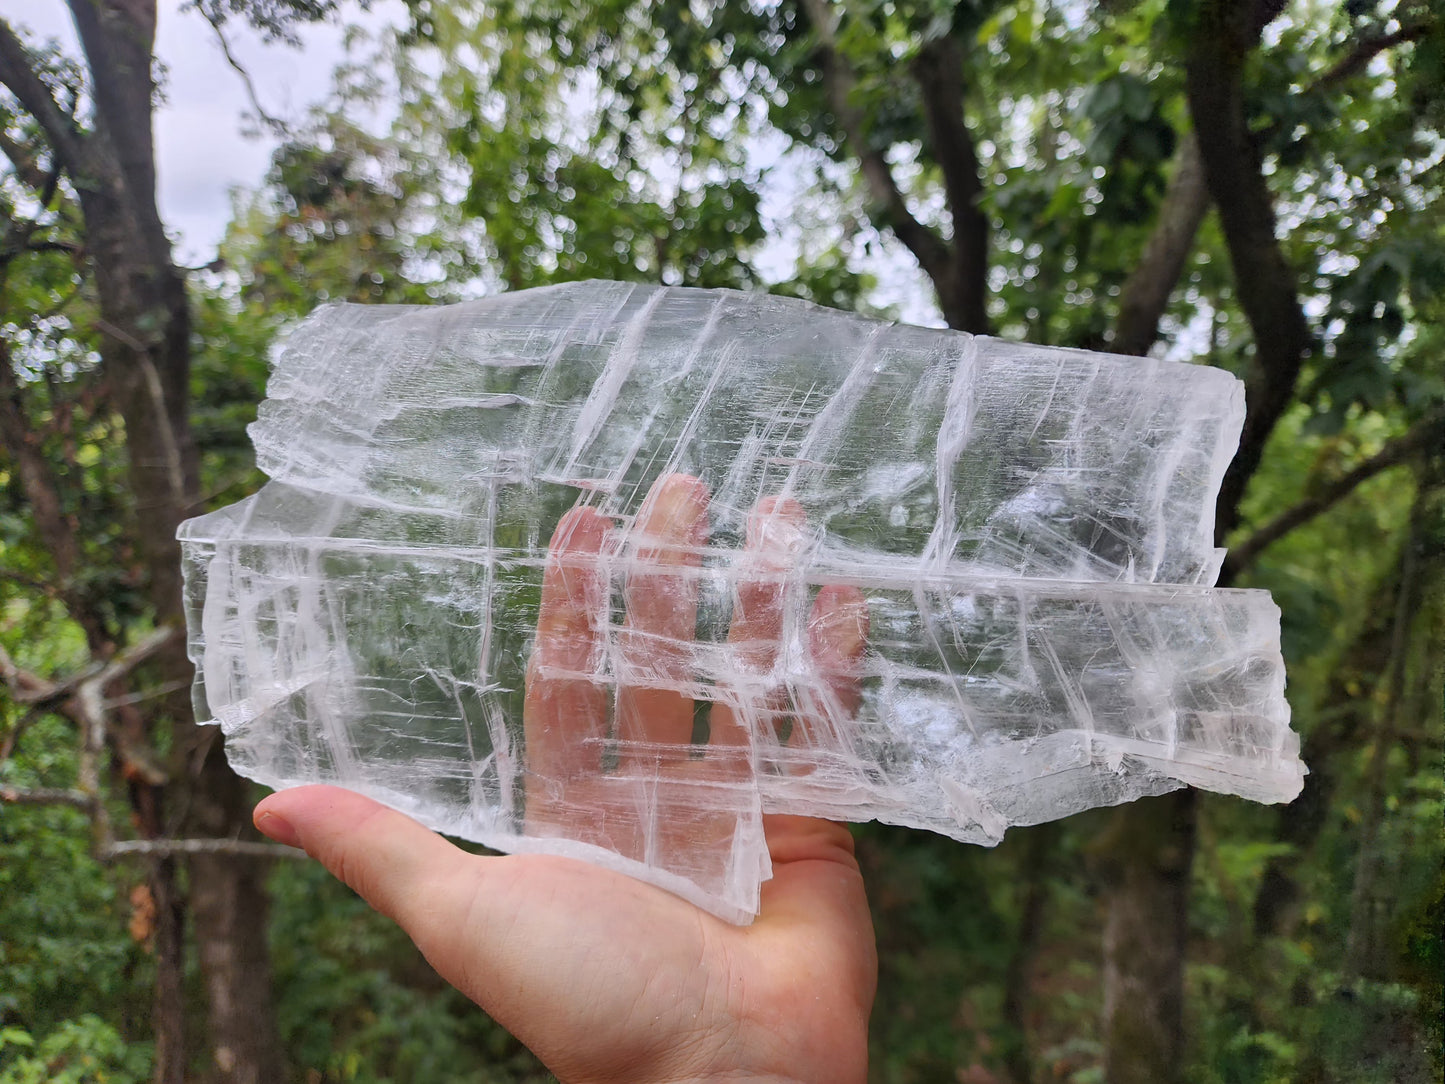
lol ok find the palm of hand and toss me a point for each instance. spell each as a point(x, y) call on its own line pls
point(606, 978)
point(603, 977)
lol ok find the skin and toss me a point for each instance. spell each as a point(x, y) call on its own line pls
point(606, 978)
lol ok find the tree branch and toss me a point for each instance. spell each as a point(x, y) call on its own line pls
point(1348, 66)
point(144, 848)
point(11, 252)
point(87, 690)
point(47, 796)
point(16, 732)
point(88, 711)
point(161, 848)
point(17, 73)
point(147, 694)
point(1365, 50)
point(1145, 295)
point(1426, 435)
point(23, 685)
point(839, 81)
point(120, 334)
point(25, 161)
point(154, 643)
point(276, 125)
point(42, 492)
point(1225, 33)
point(938, 70)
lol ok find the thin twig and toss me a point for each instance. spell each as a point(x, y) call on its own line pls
point(16, 732)
point(147, 694)
point(107, 328)
point(1426, 434)
point(239, 848)
point(47, 796)
point(278, 127)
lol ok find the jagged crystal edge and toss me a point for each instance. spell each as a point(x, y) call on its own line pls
point(1010, 512)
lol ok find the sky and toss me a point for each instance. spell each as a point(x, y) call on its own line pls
point(204, 151)
point(201, 149)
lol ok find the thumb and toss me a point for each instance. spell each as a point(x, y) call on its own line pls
point(405, 871)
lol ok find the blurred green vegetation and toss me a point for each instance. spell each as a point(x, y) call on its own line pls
point(696, 144)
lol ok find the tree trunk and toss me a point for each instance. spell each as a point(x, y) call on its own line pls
point(230, 910)
point(1152, 842)
point(205, 798)
point(150, 375)
point(168, 1000)
point(1337, 734)
point(962, 282)
point(1039, 844)
point(1366, 950)
point(145, 359)
point(1145, 858)
point(38, 481)
point(1222, 35)
point(1145, 296)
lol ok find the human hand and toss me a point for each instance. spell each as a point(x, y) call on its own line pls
point(604, 977)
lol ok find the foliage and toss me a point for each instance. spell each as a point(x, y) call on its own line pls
point(85, 1050)
point(598, 145)
point(276, 19)
point(344, 215)
point(358, 1002)
point(47, 968)
point(754, 146)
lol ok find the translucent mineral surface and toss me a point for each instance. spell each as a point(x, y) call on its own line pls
point(884, 572)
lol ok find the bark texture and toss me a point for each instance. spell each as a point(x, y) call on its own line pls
point(1145, 860)
point(1149, 851)
point(145, 357)
point(957, 265)
point(1224, 34)
point(1146, 293)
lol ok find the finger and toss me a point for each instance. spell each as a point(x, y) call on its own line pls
point(571, 584)
point(775, 535)
point(837, 638)
point(668, 534)
point(564, 715)
point(405, 871)
point(774, 538)
point(817, 887)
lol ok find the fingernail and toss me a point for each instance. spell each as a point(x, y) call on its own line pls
point(840, 620)
point(277, 828)
point(776, 527)
point(681, 503)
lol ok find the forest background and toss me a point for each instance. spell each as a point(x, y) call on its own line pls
point(1252, 184)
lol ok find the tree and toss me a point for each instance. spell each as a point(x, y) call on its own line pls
point(1201, 172)
point(81, 183)
point(1236, 181)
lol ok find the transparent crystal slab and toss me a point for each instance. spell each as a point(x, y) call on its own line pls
point(1022, 538)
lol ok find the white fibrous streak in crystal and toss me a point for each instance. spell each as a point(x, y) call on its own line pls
point(886, 573)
